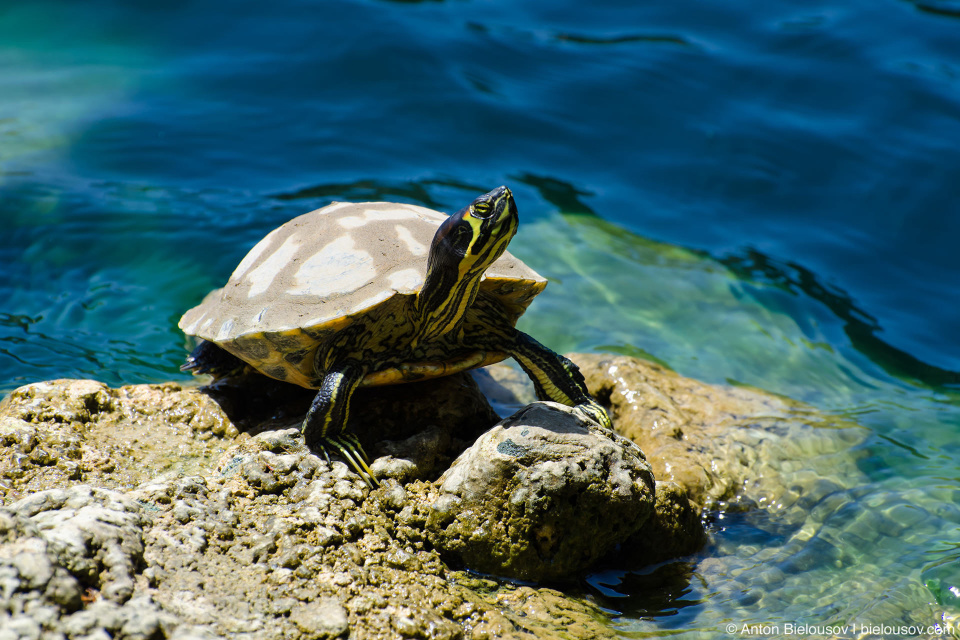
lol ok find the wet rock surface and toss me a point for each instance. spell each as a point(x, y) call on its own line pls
point(143, 512)
point(541, 496)
point(723, 445)
point(790, 476)
point(66, 432)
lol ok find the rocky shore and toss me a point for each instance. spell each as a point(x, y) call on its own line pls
point(163, 511)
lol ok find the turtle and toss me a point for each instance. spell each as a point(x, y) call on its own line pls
point(376, 293)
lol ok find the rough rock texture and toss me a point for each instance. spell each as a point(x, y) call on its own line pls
point(675, 528)
point(276, 544)
point(94, 533)
point(140, 512)
point(723, 445)
point(67, 432)
point(262, 539)
point(60, 546)
point(541, 496)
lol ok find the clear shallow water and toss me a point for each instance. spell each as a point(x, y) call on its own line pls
point(762, 194)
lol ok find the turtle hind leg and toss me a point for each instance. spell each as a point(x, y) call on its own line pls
point(556, 377)
point(207, 357)
point(324, 427)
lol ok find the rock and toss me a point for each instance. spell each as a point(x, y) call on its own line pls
point(66, 432)
point(63, 401)
point(312, 553)
point(57, 543)
point(541, 496)
point(95, 534)
point(423, 455)
point(676, 528)
point(722, 444)
point(194, 525)
point(323, 619)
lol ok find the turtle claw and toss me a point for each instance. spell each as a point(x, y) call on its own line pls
point(595, 412)
point(348, 445)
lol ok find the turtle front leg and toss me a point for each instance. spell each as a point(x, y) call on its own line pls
point(326, 421)
point(556, 377)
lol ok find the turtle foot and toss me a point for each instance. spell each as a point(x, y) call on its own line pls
point(349, 447)
point(594, 411)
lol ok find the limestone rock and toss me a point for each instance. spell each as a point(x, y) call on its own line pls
point(93, 533)
point(676, 528)
point(205, 516)
point(65, 432)
point(726, 446)
point(323, 619)
point(541, 496)
point(59, 545)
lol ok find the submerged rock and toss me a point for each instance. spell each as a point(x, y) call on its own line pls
point(541, 496)
point(725, 446)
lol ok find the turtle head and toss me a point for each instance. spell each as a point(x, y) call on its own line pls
point(474, 237)
point(463, 247)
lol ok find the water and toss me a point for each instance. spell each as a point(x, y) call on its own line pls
point(759, 193)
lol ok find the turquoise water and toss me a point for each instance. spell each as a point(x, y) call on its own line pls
point(762, 193)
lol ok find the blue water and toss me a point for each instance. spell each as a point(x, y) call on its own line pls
point(759, 193)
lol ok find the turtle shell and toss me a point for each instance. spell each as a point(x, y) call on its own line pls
point(326, 269)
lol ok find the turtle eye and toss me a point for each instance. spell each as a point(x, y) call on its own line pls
point(482, 209)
